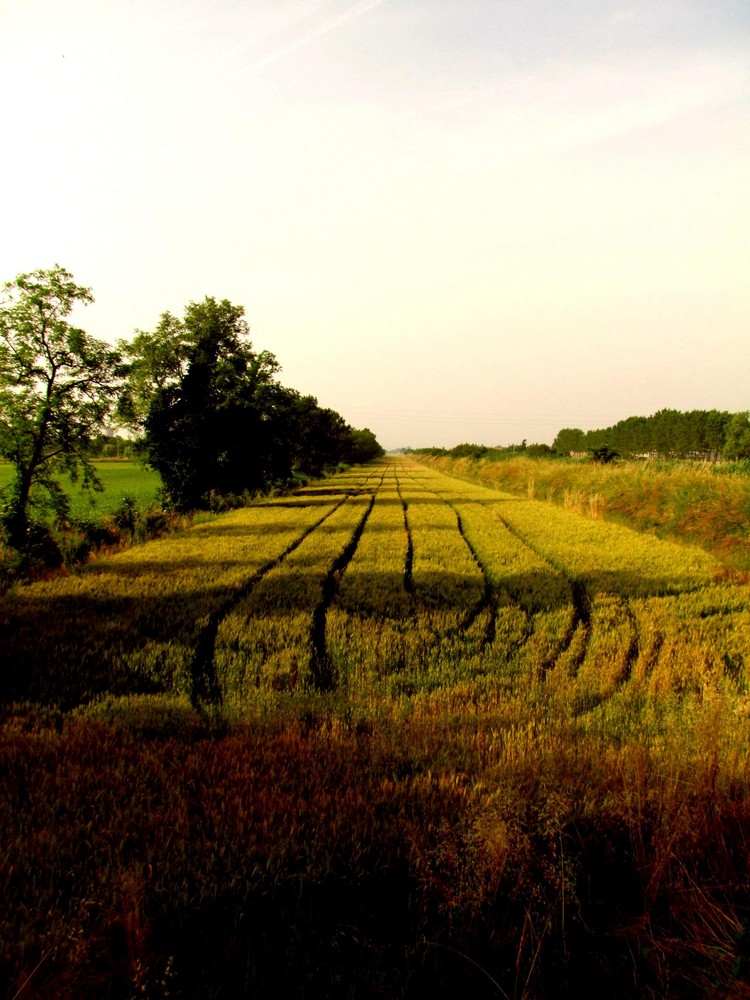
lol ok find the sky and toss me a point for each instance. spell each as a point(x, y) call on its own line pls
point(450, 220)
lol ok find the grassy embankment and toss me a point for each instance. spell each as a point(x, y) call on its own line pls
point(695, 502)
point(396, 734)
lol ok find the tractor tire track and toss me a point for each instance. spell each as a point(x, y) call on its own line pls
point(580, 601)
point(581, 622)
point(205, 688)
point(321, 666)
point(409, 562)
point(487, 601)
point(634, 646)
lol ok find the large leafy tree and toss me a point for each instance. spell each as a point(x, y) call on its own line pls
point(364, 446)
point(213, 416)
point(56, 390)
point(205, 401)
point(569, 439)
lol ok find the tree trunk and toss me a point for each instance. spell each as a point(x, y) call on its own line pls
point(18, 519)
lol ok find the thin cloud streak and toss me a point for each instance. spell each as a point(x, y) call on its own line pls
point(328, 26)
point(568, 106)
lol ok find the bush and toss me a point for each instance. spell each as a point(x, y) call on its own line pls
point(125, 516)
point(11, 563)
point(72, 541)
point(43, 551)
point(604, 455)
point(152, 523)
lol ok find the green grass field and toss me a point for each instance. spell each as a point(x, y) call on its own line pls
point(119, 478)
point(394, 735)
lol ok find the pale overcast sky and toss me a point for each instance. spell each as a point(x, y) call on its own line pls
point(451, 220)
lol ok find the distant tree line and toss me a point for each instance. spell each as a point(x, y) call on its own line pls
point(110, 445)
point(709, 435)
point(491, 453)
point(205, 409)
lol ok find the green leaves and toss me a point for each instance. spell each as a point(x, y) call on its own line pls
point(215, 420)
point(737, 444)
point(55, 388)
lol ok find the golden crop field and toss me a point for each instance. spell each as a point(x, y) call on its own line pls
point(521, 731)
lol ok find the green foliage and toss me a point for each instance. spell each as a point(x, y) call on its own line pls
point(156, 360)
point(481, 452)
point(55, 392)
point(668, 433)
point(737, 444)
point(112, 446)
point(206, 432)
point(539, 451)
point(469, 451)
point(363, 446)
point(569, 439)
point(216, 422)
point(314, 439)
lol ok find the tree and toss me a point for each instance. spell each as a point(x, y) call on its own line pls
point(56, 389)
point(157, 360)
point(569, 439)
point(205, 401)
point(737, 442)
point(315, 438)
point(365, 446)
point(214, 418)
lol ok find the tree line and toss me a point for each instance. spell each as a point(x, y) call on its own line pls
point(206, 409)
point(709, 435)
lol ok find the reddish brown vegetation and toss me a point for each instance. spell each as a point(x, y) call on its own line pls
point(341, 860)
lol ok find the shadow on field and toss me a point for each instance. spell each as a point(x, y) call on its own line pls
point(303, 503)
point(100, 636)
